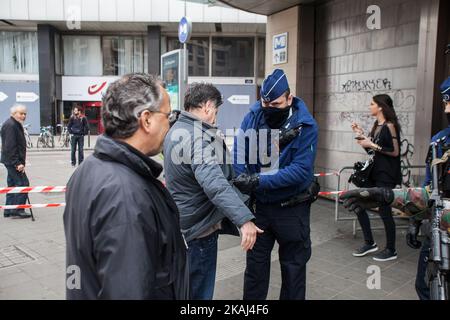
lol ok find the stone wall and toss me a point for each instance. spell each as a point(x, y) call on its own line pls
point(353, 63)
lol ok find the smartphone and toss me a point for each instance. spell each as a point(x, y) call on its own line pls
point(359, 138)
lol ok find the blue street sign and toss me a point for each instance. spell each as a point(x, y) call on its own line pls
point(184, 30)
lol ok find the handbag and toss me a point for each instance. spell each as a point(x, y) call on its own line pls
point(361, 172)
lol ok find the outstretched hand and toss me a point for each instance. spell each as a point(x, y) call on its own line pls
point(249, 233)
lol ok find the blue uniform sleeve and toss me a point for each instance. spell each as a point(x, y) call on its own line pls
point(239, 148)
point(301, 170)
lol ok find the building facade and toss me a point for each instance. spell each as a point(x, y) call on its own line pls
point(343, 52)
point(55, 54)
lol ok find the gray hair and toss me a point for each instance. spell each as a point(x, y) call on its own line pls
point(126, 99)
point(16, 108)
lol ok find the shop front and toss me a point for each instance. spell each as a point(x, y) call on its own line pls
point(86, 93)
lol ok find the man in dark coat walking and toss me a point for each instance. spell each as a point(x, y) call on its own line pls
point(77, 127)
point(122, 227)
point(14, 148)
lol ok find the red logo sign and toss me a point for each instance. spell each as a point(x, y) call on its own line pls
point(93, 89)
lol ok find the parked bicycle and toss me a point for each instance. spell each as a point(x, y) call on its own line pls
point(64, 137)
point(27, 135)
point(46, 138)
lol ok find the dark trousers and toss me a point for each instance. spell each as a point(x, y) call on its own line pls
point(202, 255)
point(385, 213)
point(15, 179)
point(422, 289)
point(77, 140)
point(290, 228)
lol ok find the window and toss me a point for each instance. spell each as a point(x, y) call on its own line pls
point(58, 58)
point(261, 57)
point(82, 56)
point(18, 52)
point(123, 55)
point(145, 55)
point(198, 59)
point(233, 57)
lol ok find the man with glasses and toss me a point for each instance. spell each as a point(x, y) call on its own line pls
point(197, 171)
point(123, 238)
point(14, 149)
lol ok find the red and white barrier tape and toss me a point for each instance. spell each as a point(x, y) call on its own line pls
point(58, 189)
point(331, 193)
point(62, 189)
point(39, 189)
point(326, 174)
point(33, 206)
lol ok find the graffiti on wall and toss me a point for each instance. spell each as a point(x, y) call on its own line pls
point(366, 121)
point(367, 85)
point(406, 153)
point(404, 100)
point(354, 107)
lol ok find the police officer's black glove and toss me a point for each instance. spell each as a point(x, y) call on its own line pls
point(367, 198)
point(246, 183)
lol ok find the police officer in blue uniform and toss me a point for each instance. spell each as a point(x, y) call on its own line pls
point(282, 195)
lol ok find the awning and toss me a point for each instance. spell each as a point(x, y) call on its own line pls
point(265, 7)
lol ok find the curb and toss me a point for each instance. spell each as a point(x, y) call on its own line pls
point(33, 150)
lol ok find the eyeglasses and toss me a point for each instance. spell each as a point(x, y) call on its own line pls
point(172, 116)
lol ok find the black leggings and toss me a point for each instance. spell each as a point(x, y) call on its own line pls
point(388, 221)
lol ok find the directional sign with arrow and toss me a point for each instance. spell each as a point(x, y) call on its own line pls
point(3, 96)
point(26, 97)
point(239, 99)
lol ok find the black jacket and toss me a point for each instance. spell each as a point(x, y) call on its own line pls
point(14, 146)
point(78, 126)
point(122, 228)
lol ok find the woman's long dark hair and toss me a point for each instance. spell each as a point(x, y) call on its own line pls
point(386, 104)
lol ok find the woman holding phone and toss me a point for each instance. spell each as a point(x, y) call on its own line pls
point(384, 140)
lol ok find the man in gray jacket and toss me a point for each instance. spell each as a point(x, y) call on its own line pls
point(198, 169)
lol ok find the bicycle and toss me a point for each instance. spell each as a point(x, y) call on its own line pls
point(46, 138)
point(64, 137)
point(27, 135)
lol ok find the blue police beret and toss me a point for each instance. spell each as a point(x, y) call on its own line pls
point(274, 85)
point(445, 89)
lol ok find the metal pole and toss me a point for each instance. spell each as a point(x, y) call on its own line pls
point(437, 206)
point(31, 210)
